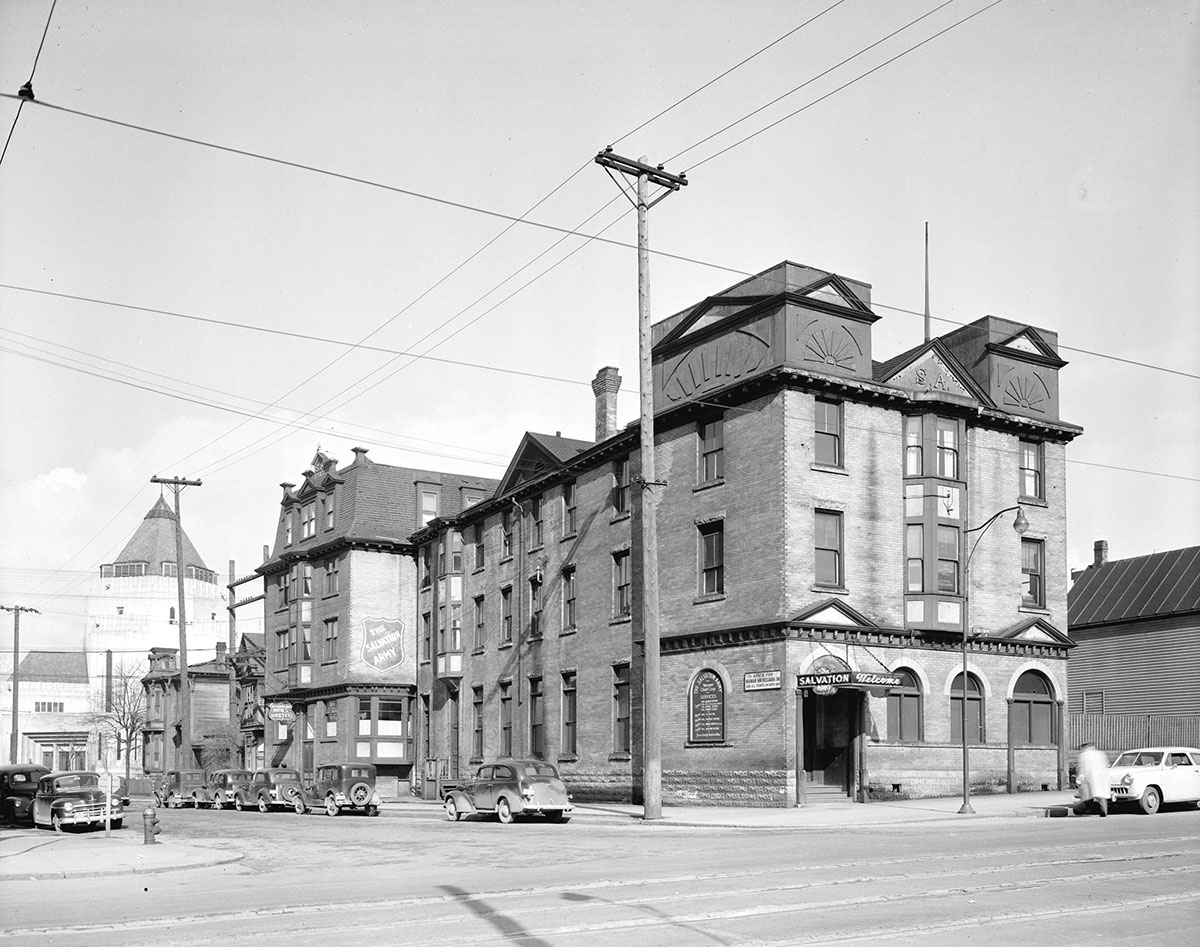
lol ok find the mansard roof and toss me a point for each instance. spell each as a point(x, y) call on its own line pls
point(374, 503)
point(153, 542)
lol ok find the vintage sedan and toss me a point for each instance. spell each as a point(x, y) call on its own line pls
point(74, 798)
point(1153, 775)
point(277, 788)
point(180, 787)
point(225, 787)
point(18, 784)
point(344, 786)
point(510, 788)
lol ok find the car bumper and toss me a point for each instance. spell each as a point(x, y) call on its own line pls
point(89, 817)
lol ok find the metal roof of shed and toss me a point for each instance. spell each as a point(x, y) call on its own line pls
point(1164, 583)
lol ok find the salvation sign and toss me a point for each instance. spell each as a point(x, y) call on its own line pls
point(383, 643)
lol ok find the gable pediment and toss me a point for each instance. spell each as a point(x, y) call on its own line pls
point(833, 292)
point(1035, 631)
point(833, 612)
point(531, 461)
point(934, 372)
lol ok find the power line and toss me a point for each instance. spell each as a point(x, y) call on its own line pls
point(845, 85)
point(806, 83)
point(731, 69)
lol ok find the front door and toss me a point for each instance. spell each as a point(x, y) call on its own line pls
point(829, 738)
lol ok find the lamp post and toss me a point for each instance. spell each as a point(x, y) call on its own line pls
point(1020, 525)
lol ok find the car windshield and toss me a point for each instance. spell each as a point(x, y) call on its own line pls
point(537, 769)
point(77, 781)
point(1139, 758)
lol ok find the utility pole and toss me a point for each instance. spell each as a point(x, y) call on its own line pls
point(185, 698)
point(16, 671)
point(647, 174)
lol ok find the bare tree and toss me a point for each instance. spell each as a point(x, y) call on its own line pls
point(119, 709)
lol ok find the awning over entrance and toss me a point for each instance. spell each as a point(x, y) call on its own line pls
point(852, 680)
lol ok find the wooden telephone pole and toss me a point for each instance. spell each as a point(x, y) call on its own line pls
point(647, 174)
point(16, 672)
point(185, 758)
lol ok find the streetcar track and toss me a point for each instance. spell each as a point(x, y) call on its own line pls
point(477, 900)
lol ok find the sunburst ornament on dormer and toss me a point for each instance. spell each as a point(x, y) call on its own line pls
point(830, 346)
point(1021, 391)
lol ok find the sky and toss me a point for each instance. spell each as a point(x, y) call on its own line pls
point(227, 230)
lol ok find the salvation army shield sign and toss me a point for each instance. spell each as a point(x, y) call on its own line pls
point(383, 643)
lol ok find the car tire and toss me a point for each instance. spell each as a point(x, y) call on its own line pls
point(117, 823)
point(331, 807)
point(238, 804)
point(56, 822)
point(504, 811)
point(372, 810)
point(218, 802)
point(359, 794)
point(298, 804)
point(558, 816)
point(173, 802)
point(263, 805)
point(452, 813)
point(1151, 800)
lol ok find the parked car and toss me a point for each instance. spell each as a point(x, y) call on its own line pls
point(340, 786)
point(510, 788)
point(227, 787)
point(179, 787)
point(18, 783)
point(1152, 775)
point(74, 798)
point(277, 788)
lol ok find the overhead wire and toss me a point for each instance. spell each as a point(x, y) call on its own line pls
point(588, 239)
point(28, 85)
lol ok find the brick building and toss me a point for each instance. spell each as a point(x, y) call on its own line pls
point(340, 586)
point(817, 516)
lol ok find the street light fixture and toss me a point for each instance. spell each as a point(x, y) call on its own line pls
point(1020, 525)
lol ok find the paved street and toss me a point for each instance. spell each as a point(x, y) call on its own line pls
point(409, 878)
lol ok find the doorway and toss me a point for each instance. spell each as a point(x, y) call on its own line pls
point(829, 733)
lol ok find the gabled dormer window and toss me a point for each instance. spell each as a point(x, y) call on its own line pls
point(308, 517)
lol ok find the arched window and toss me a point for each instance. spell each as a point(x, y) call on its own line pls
point(1032, 718)
point(904, 723)
point(706, 708)
point(975, 731)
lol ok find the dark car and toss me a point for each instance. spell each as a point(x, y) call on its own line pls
point(18, 783)
point(180, 787)
point(226, 787)
point(340, 786)
point(74, 798)
point(510, 788)
point(277, 788)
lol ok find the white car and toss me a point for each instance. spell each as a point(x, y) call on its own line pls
point(1153, 775)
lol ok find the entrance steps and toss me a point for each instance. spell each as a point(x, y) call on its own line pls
point(817, 795)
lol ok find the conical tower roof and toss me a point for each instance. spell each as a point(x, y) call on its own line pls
point(154, 542)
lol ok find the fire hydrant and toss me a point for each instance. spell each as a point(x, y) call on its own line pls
point(150, 826)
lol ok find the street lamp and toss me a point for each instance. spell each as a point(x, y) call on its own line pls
point(1020, 525)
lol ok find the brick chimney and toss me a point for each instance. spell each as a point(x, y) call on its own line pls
point(605, 386)
point(1101, 550)
point(220, 654)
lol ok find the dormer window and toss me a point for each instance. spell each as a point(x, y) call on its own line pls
point(308, 516)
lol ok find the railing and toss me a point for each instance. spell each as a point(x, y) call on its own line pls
point(1117, 732)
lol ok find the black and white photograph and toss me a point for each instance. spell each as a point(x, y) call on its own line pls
point(721, 472)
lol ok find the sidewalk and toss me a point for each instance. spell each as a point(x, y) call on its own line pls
point(48, 855)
